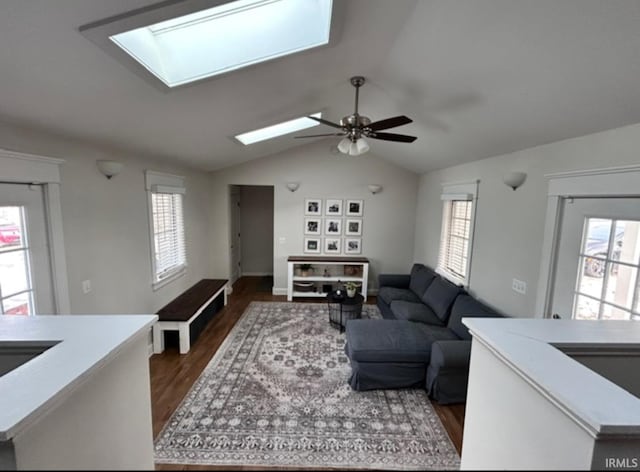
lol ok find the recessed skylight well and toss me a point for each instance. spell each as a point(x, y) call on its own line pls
point(216, 40)
point(279, 129)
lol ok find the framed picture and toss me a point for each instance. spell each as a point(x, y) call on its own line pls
point(352, 245)
point(312, 226)
point(333, 227)
point(312, 245)
point(332, 245)
point(334, 207)
point(313, 206)
point(354, 207)
point(353, 228)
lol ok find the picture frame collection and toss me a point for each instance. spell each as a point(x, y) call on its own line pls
point(326, 222)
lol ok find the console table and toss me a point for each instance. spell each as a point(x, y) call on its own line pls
point(327, 273)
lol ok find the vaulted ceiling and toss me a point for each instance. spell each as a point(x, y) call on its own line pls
point(479, 78)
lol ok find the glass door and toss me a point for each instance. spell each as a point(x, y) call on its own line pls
point(598, 260)
point(25, 269)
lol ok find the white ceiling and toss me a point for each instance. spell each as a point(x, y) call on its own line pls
point(479, 78)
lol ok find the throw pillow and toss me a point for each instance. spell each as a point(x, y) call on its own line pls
point(440, 295)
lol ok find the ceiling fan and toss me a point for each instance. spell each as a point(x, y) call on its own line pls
point(355, 127)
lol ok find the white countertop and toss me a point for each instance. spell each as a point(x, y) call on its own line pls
point(527, 345)
point(87, 342)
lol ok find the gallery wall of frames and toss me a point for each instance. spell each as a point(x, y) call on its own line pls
point(333, 226)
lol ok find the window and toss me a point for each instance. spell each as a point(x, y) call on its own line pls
point(279, 129)
point(16, 289)
point(226, 37)
point(607, 285)
point(168, 258)
point(454, 260)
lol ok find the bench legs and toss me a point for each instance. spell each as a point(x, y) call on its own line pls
point(158, 338)
point(185, 343)
point(183, 332)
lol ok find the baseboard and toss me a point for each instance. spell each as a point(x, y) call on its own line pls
point(279, 291)
point(256, 274)
point(372, 291)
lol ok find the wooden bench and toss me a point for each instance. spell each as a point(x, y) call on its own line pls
point(189, 313)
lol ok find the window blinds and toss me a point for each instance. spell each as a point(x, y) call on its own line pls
point(454, 242)
point(168, 234)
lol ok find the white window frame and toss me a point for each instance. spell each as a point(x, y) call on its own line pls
point(25, 168)
point(158, 182)
point(622, 181)
point(451, 192)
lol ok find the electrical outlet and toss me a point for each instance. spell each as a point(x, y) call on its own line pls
point(86, 286)
point(519, 286)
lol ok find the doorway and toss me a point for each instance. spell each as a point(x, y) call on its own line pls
point(252, 213)
point(598, 260)
point(25, 264)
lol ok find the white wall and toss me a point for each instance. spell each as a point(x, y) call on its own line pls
point(509, 225)
point(256, 229)
point(106, 225)
point(389, 216)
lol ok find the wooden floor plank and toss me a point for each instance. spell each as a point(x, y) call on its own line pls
point(173, 374)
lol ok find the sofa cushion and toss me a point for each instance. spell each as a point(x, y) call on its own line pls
point(440, 295)
point(467, 306)
point(421, 277)
point(411, 311)
point(389, 294)
point(392, 340)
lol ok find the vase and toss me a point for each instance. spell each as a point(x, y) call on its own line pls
point(351, 292)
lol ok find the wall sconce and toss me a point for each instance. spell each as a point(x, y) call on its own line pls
point(293, 186)
point(514, 179)
point(375, 188)
point(109, 168)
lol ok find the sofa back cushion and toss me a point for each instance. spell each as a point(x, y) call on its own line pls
point(421, 278)
point(440, 295)
point(467, 306)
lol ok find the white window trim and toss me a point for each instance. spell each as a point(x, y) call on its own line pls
point(467, 191)
point(623, 181)
point(159, 182)
point(31, 169)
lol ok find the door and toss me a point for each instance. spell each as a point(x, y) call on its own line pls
point(598, 260)
point(234, 237)
point(25, 269)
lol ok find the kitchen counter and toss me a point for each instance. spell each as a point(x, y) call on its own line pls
point(83, 349)
point(560, 391)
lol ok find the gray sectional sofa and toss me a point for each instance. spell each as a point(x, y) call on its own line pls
point(421, 342)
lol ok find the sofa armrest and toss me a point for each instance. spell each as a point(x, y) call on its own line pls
point(394, 280)
point(450, 354)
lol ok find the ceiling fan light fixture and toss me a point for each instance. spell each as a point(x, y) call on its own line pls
point(344, 145)
point(362, 145)
point(353, 149)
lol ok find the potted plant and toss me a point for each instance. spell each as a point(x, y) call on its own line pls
point(351, 289)
point(305, 269)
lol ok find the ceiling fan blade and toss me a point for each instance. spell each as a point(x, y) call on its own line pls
point(401, 138)
point(318, 135)
point(390, 123)
point(325, 122)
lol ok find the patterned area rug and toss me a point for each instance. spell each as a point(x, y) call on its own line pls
point(276, 394)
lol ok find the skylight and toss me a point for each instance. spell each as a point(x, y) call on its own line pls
point(274, 131)
point(227, 37)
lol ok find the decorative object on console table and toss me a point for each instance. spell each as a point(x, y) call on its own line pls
point(305, 269)
point(354, 208)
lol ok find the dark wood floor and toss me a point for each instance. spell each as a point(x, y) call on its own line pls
point(173, 374)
